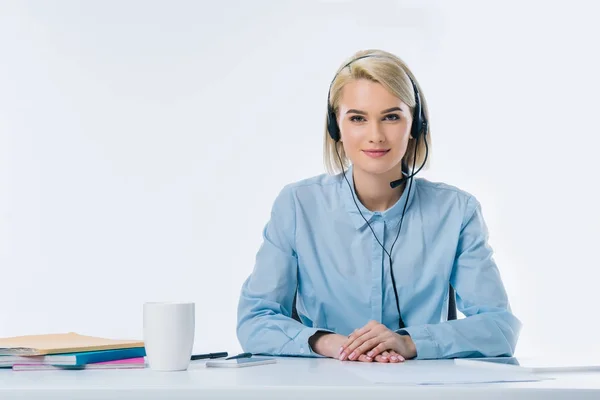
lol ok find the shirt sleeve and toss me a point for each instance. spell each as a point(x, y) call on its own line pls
point(264, 322)
point(489, 329)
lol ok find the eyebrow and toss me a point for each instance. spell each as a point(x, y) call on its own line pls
point(354, 111)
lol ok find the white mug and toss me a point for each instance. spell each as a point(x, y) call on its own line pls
point(169, 330)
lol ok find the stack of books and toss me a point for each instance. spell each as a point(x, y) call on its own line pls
point(69, 351)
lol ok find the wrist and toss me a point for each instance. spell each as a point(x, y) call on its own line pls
point(318, 342)
point(409, 345)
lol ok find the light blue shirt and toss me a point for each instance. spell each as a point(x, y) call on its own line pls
point(317, 241)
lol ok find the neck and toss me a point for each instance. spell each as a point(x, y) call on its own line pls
point(374, 191)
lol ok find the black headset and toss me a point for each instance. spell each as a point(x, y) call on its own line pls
point(419, 123)
point(419, 127)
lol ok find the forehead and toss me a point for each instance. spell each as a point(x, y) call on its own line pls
point(366, 94)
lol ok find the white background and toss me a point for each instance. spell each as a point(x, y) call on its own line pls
point(142, 145)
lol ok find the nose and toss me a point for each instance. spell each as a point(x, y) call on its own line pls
point(375, 133)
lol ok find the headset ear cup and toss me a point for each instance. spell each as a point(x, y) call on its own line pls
point(332, 125)
point(417, 125)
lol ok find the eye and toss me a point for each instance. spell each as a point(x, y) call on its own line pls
point(356, 118)
point(392, 117)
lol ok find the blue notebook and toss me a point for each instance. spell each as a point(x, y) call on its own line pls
point(82, 358)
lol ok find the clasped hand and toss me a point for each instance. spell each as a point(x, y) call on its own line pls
point(372, 342)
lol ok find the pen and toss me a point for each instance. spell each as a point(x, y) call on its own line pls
point(209, 355)
point(242, 355)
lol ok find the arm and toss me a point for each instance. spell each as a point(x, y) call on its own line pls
point(489, 329)
point(264, 323)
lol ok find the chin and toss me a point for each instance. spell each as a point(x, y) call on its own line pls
point(377, 168)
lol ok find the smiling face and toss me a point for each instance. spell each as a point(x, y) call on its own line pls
point(375, 127)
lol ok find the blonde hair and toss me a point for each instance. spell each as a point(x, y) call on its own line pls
point(391, 72)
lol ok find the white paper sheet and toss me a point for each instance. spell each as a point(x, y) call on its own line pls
point(574, 363)
point(423, 372)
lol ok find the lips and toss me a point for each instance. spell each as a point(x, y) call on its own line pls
point(376, 153)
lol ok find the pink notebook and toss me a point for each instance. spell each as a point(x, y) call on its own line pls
point(127, 363)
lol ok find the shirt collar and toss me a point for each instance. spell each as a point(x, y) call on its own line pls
point(390, 216)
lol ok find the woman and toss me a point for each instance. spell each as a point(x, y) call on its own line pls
point(368, 254)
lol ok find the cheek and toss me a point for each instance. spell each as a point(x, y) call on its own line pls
point(352, 138)
point(399, 136)
point(352, 132)
point(402, 147)
point(397, 132)
point(402, 141)
point(351, 146)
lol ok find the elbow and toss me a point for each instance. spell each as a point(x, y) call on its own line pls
point(510, 327)
point(252, 340)
point(242, 337)
point(247, 339)
point(246, 328)
point(253, 334)
point(249, 323)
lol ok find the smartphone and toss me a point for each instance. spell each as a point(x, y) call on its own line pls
point(240, 362)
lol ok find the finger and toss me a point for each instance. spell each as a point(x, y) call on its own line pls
point(348, 342)
point(359, 332)
point(363, 348)
point(379, 349)
point(395, 357)
point(364, 358)
point(385, 337)
point(376, 330)
point(353, 336)
point(356, 333)
point(349, 352)
point(383, 357)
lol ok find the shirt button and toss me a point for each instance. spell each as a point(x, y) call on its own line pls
point(302, 351)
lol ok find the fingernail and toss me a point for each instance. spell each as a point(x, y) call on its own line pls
point(352, 355)
point(343, 356)
point(394, 358)
point(341, 349)
point(370, 354)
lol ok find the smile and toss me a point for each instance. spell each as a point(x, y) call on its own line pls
point(376, 153)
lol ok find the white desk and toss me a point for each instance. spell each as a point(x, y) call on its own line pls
point(290, 378)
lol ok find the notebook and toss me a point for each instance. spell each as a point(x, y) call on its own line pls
point(60, 343)
point(129, 363)
point(86, 357)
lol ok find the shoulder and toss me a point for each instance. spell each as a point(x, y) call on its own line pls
point(314, 186)
point(442, 195)
point(441, 189)
point(307, 197)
